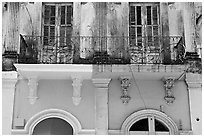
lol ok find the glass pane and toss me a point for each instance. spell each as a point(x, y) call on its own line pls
point(52, 33)
point(139, 19)
point(149, 15)
point(68, 36)
point(69, 14)
point(46, 32)
point(159, 126)
point(62, 14)
point(139, 36)
point(155, 18)
point(132, 15)
point(47, 14)
point(132, 32)
point(139, 31)
point(52, 17)
point(149, 30)
point(62, 35)
point(155, 30)
point(141, 125)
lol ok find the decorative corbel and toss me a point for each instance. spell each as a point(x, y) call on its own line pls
point(125, 84)
point(32, 84)
point(77, 83)
point(169, 84)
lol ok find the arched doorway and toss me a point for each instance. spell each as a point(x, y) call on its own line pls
point(149, 122)
point(53, 126)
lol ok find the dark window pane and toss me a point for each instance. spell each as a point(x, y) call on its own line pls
point(62, 14)
point(149, 31)
point(132, 15)
point(46, 14)
point(52, 18)
point(139, 31)
point(62, 35)
point(149, 15)
point(132, 32)
point(69, 14)
point(46, 34)
point(52, 33)
point(159, 126)
point(139, 34)
point(155, 30)
point(155, 18)
point(141, 125)
point(52, 10)
point(68, 31)
point(139, 19)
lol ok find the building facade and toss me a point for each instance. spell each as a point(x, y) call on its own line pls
point(104, 68)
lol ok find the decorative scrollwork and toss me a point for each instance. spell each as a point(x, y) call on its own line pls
point(125, 84)
point(169, 84)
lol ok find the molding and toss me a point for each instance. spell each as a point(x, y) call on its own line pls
point(169, 83)
point(101, 82)
point(77, 83)
point(187, 132)
point(49, 113)
point(55, 71)
point(115, 132)
point(193, 80)
point(125, 84)
point(32, 84)
point(87, 132)
point(130, 120)
point(9, 80)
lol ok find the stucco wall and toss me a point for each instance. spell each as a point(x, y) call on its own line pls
point(153, 95)
point(56, 94)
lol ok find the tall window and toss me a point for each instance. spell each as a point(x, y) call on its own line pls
point(144, 31)
point(57, 30)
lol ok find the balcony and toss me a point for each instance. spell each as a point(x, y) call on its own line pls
point(101, 50)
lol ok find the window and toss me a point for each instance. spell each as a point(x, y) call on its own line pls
point(149, 125)
point(144, 31)
point(57, 30)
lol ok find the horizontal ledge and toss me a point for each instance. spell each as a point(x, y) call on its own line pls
point(54, 67)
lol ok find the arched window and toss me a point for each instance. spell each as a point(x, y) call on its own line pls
point(149, 122)
point(149, 125)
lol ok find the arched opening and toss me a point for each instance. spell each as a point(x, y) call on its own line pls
point(50, 114)
point(149, 122)
point(53, 126)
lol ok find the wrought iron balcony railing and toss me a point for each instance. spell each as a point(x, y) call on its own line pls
point(101, 50)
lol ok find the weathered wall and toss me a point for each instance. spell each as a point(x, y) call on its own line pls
point(56, 94)
point(30, 18)
point(11, 26)
point(20, 18)
point(176, 27)
point(153, 94)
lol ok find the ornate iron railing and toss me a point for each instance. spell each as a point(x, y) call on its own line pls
point(101, 50)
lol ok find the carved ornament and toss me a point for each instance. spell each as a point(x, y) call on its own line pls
point(125, 84)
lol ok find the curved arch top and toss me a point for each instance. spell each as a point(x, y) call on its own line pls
point(51, 113)
point(136, 116)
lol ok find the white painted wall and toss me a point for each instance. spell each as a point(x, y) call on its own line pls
point(194, 82)
point(153, 93)
point(56, 94)
point(9, 80)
